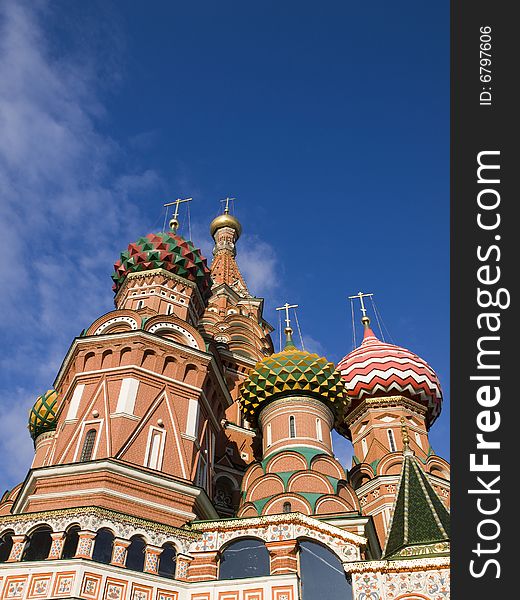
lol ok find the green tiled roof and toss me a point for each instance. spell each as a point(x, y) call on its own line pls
point(420, 518)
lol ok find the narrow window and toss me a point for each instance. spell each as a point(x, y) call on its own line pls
point(169, 310)
point(364, 446)
point(418, 439)
point(292, 427)
point(319, 434)
point(154, 455)
point(287, 507)
point(202, 472)
point(140, 304)
point(391, 440)
point(88, 445)
point(269, 435)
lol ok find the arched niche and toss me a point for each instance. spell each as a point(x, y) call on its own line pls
point(167, 561)
point(103, 546)
point(38, 544)
point(322, 574)
point(135, 554)
point(245, 557)
point(6, 545)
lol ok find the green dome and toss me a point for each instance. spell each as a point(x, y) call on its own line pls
point(42, 417)
point(290, 372)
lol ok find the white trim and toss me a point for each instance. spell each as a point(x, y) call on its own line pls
point(127, 396)
point(72, 413)
point(150, 462)
point(192, 420)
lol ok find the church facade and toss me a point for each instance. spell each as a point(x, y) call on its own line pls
point(178, 457)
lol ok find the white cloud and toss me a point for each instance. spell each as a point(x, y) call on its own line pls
point(66, 209)
point(259, 265)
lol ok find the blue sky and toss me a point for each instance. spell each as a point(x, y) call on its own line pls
point(329, 122)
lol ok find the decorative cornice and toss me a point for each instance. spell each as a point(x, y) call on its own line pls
point(298, 518)
point(385, 566)
point(64, 513)
point(383, 402)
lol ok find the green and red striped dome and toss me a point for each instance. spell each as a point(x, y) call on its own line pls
point(167, 251)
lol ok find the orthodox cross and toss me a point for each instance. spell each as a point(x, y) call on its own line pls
point(360, 295)
point(227, 201)
point(286, 307)
point(174, 222)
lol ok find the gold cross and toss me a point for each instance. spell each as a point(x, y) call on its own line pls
point(227, 201)
point(286, 307)
point(174, 223)
point(360, 295)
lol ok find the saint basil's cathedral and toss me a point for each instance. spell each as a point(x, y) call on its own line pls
point(178, 457)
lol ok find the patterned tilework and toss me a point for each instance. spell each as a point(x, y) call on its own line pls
point(254, 594)
point(283, 593)
point(90, 585)
point(228, 595)
point(14, 587)
point(39, 586)
point(115, 589)
point(166, 595)
point(63, 584)
point(432, 584)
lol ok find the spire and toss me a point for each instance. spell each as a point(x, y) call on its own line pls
point(226, 230)
point(420, 523)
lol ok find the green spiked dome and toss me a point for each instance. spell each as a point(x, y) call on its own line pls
point(42, 417)
point(165, 250)
point(291, 372)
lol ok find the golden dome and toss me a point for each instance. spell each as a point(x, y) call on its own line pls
point(225, 220)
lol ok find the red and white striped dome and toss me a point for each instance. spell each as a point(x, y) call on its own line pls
point(376, 368)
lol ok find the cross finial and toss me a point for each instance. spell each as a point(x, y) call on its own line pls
point(174, 222)
point(361, 295)
point(286, 307)
point(227, 201)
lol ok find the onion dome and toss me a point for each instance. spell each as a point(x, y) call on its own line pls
point(376, 368)
point(225, 220)
point(165, 250)
point(292, 372)
point(42, 417)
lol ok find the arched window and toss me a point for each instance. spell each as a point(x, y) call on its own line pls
point(71, 542)
point(39, 544)
point(244, 558)
point(292, 427)
point(135, 553)
point(88, 445)
point(319, 433)
point(6, 544)
point(322, 573)
point(418, 439)
point(103, 546)
point(391, 440)
point(140, 304)
point(287, 507)
point(167, 561)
